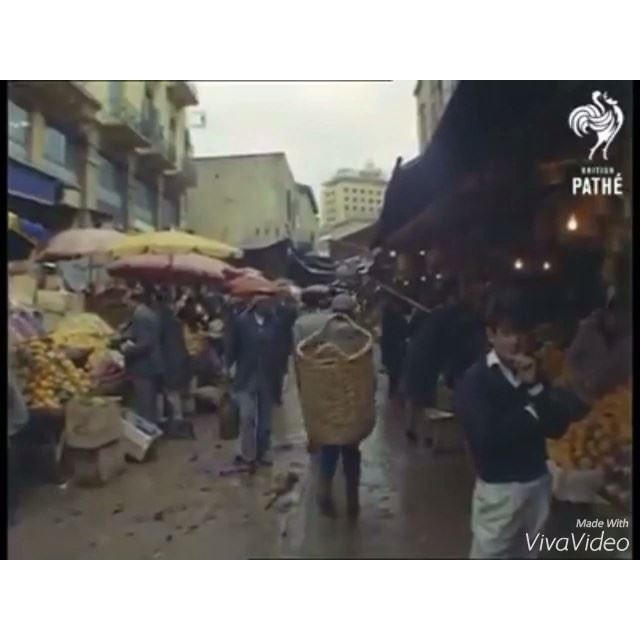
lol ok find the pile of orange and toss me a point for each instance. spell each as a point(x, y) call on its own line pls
point(592, 443)
point(48, 377)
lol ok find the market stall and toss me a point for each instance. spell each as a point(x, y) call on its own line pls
point(489, 203)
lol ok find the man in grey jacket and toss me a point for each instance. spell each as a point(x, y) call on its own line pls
point(143, 356)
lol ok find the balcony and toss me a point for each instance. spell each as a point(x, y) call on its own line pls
point(122, 128)
point(61, 100)
point(155, 156)
point(183, 177)
point(183, 93)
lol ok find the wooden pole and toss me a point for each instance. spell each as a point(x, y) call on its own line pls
point(408, 300)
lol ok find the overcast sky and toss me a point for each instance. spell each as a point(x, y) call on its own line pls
point(321, 126)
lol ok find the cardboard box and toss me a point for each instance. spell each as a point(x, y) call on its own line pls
point(91, 423)
point(55, 305)
point(60, 302)
point(22, 288)
point(53, 282)
point(138, 436)
point(94, 467)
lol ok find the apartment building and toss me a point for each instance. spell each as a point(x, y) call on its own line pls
point(432, 97)
point(251, 201)
point(352, 194)
point(111, 153)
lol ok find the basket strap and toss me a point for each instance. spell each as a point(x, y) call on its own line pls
point(319, 332)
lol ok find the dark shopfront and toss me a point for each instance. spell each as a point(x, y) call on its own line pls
point(491, 196)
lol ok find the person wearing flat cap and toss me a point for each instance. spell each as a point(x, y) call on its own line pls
point(339, 331)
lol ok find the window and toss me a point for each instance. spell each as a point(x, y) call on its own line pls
point(346, 208)
point(55, 144)
point(115, 94)
point(257, 231)
point(170, 213)
point(18, 124)
point(112, 176)
point(145, 198)
point(61, 155)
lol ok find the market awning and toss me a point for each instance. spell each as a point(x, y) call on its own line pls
point(487, 125)
point(29, 183)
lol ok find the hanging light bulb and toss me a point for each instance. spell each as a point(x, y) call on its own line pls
point(518, 264)
point(392, 254)
point(438, 276)
point(572, 222)
point(406, 283)
point(423, 252)
point(547, 265)
point(423, 278)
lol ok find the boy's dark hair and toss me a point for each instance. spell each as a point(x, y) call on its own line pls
point(508, 308)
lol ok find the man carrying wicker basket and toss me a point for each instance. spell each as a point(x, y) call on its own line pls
point(336, 382)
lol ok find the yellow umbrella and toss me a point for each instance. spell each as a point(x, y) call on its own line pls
point(168, 242)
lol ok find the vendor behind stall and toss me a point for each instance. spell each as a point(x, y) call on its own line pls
point(140, 345)
point(176, 358)
point(599, 359)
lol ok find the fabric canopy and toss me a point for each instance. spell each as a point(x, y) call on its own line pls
point(174, 242)
point(76, 243)
point(31, 184)
point(178, 267)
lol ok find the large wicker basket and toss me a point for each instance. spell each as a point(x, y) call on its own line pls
point(337, 389)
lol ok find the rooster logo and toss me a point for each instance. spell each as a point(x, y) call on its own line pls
point(604, 117)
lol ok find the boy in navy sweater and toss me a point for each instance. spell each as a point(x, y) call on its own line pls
point(507, 411)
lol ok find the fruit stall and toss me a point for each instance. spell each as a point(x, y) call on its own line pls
point(54, 368)
point(592, 462)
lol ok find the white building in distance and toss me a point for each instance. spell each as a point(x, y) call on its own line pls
point(352, 194)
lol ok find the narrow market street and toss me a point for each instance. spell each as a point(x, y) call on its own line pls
point(178, 507)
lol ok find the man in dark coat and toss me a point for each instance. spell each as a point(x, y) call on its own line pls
point(252, 350)
point(177, 362)
point(143, 356)
point(426, 353)
point(393, 342)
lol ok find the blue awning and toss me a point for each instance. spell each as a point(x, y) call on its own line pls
point(27, 182)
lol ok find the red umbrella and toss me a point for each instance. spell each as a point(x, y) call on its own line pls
point(251, 285)
point(187, 267)
point(77, 243)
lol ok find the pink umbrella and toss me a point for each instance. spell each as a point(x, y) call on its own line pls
point(78, 243)
point(187, 267)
